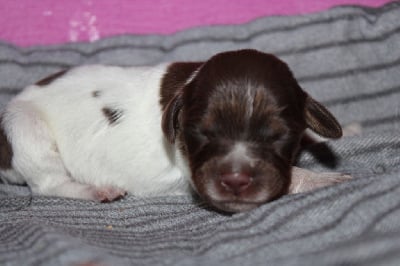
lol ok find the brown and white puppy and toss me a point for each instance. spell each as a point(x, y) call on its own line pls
point(230, 127)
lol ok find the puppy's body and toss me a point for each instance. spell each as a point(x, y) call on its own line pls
point(230, 127)
point(97, 125)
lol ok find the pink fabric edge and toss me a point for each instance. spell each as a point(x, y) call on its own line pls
point(31, 22)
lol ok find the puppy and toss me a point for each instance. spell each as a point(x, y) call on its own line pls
point(227, 128)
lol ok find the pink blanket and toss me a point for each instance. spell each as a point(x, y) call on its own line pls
point(33, 22)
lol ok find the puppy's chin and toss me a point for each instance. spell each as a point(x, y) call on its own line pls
point(234, 206)
point(231, 204)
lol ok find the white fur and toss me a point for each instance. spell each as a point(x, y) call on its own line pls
point(64, 145)
point(237, 155)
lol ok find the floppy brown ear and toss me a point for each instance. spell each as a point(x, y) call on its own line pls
point(169, 122)
point(320, 120)
point(172, 84)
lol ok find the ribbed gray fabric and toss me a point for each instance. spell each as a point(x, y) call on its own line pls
point(347, 57)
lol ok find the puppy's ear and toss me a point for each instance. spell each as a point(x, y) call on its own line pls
point(320, 120)
point(176, 77)
point(169, 122)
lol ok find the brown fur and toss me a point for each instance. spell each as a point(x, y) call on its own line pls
point(6, 152)
point(96, 94)
point(113, 115)
point(177, 75)
point(51, 78)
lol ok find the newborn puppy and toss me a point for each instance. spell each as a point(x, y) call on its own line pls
point(227, 128)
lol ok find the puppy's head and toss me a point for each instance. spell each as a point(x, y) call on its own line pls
point(238, 119)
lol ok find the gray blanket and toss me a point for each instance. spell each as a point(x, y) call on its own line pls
point(347, 57)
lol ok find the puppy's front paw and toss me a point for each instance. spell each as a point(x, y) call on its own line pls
point(108, 193)
point(318, 180)
point(304, 180)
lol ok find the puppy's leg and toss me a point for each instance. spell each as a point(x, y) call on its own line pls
point(36, 158)
point(305, 180)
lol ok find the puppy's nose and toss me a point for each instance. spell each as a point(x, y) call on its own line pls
point(235, 182)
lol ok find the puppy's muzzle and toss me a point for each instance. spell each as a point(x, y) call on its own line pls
point(234, 186)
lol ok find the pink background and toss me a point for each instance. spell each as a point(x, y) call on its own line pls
point(35, 22)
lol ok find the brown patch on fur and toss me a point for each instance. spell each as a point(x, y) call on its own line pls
point(171, 90)
point(51, 78)
point(6, 152)
point(113, 115)
point(96, 94)
point(174, 79)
